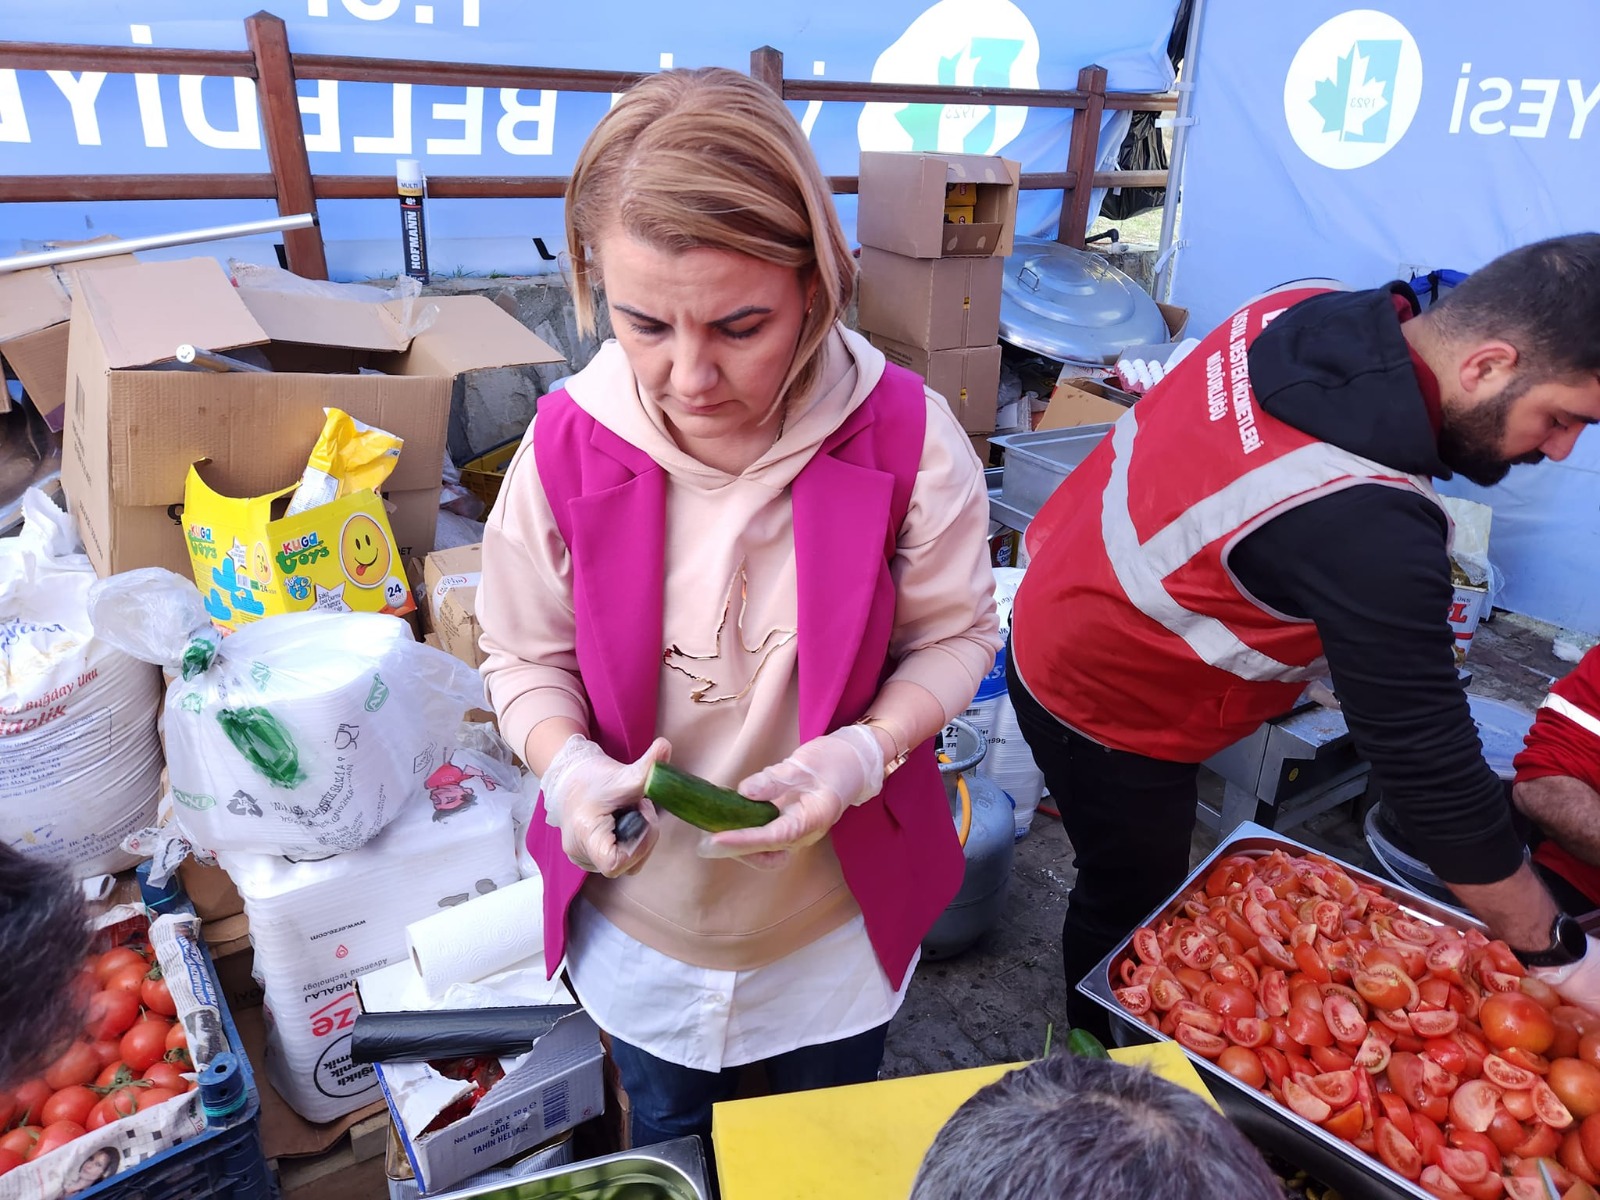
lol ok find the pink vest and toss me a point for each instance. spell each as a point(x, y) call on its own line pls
point(1130, 626)
point(899, 853)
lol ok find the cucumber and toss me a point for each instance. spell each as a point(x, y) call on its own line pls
point(1085, 1045)
point(704, 805)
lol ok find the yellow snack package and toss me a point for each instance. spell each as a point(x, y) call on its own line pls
point(350, 456)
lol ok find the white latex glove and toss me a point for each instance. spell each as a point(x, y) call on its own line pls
point(1579, 982)
point(584, 788)
point(811, 788)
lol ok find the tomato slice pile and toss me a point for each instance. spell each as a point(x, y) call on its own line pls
point(1424, 1047)
point(133, 1055)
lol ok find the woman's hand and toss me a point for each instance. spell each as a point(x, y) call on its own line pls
point(812, 788)
point(584, 788)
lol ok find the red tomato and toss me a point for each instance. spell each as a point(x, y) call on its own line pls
point(1244, 1065)
point(1574, 1159)
point(1275, 995)
point(1589, 1047)
point(1330, 1058)
point(167, 1075)
point(1307, 1027)
point(53, 1137)
point(111, 1014)
point(1447, 1053)
point(8, 1109)
point(107, 1051)
point(1465, 1139)
point(1430, 1138)
point(1249, 1032)
point(77, 1066)
point(1519, 1104)
point(1274, 1064)
point(10, 1160)
point(1344, 1019)
point(1305, 1103)
point(145, 1043)
point(1464, 1166)
point(113, 960)
point(1499, 957)
point(115, 1075)
point(1346, 1123)
point(1207, 1045)
point(1374, 1053)
point(1229, 1000)
point(1337, 1089)
point(70, 1104)
point(1541, 1142)
point(1540, 991)
point(150, 1097)
point(1230, 875)
point(1506, 1132)
point(30, 1098)
point(1310, 962)
point(156, 995)
point(1577, 1085)
point(1397, 1112)
point(1135, 999)
point(1512, 1019)
point(1505, 1075)
point(1474, 1105)
point(21, 1140)
point(1435, 1024)
point(1589, 1134)
point(128, 979)
point(1396, 1151)
point(1385, 985)
point(177, 1039)
point(1439, 1185)
point(1548, 1107)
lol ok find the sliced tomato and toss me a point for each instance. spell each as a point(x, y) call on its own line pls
point(1397, 1111)
point(1346, 1123)
point(1309, 961)
point(1548, 1108)
point(1191, 979)
point(1464, 1166)
point(1275, 954)
point(1435, 1024)
point(1542, 1141)
point(1165, 990)
point(1249, 1032)
point(1436, 1079)
point(1195, 948)
point(1373, 1055)
point(1244, 1065)
point(1504, 1075)
point(1305, 1103)
point(1187, 1012)
point(1147, 946)
point(1447, 1052)
point(1506, 1132)
point(1396, 1151)
point(1273, 1063)
point(1526, 1059)
point(1574, 1159)
point(1274, 993)
point(1229, 875)
point(1414, 932)
point(1385, 985)
point(1446, 958)
point(1466, 1139)
point(1473, 1105)
point(1343, 1018)
point(1519, 1104)
point(1135, 999)
point(1207, 1045)
point(1337, 1089)
point(1229, 999)
point(1307, 1027)
point(1331, 1058)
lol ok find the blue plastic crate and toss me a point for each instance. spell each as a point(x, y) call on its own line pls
point(224, 1162)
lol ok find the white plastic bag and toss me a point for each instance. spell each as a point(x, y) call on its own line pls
point(80, 759)
point(303, 734)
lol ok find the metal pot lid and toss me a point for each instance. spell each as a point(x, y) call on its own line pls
point(1501, 729)
point(1073, 306)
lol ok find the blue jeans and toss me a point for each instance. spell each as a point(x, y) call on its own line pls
point(670, 1101)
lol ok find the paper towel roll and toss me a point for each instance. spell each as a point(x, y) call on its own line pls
point(478, 938)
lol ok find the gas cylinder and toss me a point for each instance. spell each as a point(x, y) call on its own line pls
point(989, 843)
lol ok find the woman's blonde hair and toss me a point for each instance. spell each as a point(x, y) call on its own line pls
point(711, 158)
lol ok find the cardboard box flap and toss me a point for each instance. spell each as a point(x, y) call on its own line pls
point(144, 312)
point(327, 321)
point(31, 301)
point(979, 168)
point(469, 334)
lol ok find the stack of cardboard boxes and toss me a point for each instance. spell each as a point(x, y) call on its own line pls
point(935, 230)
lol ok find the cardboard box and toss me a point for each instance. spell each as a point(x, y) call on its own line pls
point(249, 562)
point(403, 1184)
point(133, 431)
point(903, 197)
point(961, 214)
point(209, 889)
point(555, 1086)
point(1084, 402)
point(35, 306)
point(450, 581)
point(934, 303)
point(969, 380)
point(234, 956)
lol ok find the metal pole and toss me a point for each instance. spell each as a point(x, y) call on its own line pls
point(1181, 123)
point(155, 241)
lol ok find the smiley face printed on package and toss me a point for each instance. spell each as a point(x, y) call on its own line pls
point(364, 552)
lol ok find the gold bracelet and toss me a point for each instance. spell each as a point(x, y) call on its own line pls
point(900, 756)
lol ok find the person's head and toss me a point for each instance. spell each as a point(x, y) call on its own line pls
point(44, 939)
point(698, 210)
point(1069, 1126)
point(1516, 347)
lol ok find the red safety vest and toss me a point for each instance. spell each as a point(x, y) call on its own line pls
point(1129, 625)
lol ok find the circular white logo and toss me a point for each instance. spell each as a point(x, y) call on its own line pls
point(1353, 88)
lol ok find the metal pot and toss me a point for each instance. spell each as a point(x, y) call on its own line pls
point(990, 844)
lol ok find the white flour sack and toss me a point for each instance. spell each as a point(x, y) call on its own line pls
point(80, 760)
point(300, 735)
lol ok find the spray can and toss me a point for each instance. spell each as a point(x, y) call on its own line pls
point(413, 236)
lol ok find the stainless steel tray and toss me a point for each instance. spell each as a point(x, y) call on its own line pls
point(1256, 1114)
point(1037, 462)
point(673, 1170)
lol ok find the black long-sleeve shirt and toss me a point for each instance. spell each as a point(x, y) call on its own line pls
point(1369, 565)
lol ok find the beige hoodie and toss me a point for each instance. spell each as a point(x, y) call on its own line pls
point(728, 699)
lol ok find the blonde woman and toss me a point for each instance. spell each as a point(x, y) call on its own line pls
point(737, 537)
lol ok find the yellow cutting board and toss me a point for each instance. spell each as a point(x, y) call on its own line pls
point(866, 1142)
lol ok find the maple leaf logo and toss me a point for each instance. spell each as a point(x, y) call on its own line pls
point(733, 649)
point(1356, 102)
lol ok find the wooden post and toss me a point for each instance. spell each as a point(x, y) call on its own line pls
point(286, 143)
point(766, 66)
point(1082, 152)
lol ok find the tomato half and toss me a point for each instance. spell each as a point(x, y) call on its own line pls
point(1396, 1151)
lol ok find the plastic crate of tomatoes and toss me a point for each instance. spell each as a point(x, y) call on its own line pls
point(125, 1111)
point(1382, 1026)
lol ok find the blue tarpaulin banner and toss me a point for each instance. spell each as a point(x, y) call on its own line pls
point(1365, 144)
point(72, 122)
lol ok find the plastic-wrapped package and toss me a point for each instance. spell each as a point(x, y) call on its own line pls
point(303, 734)
point(80, 759)
point(317, 926)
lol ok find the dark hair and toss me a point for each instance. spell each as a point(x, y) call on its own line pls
point(1543, 298)
point(44, 938)
point(1069, 1127)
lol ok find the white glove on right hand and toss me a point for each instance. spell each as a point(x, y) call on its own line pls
point(1579, 982)
point(584, 788)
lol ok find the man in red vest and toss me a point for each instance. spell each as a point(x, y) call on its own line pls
point(1558, 786)
point(1265, 517)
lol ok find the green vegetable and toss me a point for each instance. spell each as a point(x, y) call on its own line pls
point(1085, 1045)
point(704, 805)
point(265, 743)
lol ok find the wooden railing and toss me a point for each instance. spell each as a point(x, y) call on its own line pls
point(289, 181)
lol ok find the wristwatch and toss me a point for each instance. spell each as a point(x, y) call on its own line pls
point(1568, 943)
point(892, 765)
